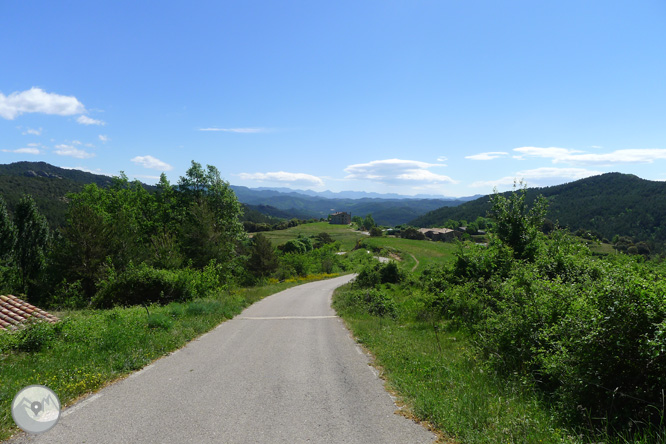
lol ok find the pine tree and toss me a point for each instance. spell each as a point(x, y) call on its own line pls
point(32, 240)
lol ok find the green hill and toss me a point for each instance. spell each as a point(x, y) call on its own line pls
point(609, 204)
point(47, 184)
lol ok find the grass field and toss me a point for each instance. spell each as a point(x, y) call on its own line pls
point(345, 234)
point(416, 254)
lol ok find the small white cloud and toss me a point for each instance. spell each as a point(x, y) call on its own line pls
point(36, 100)
point(85, 120)
point(33, 131)
point(30, 150)
point(576, 157)
point(284, 177)
point(70, 150)
point(238, 130)
point(396, 171)
point(88, 170)
point(76, 142)
point(152, 163)
point(442, 159)
point(487, 156)
point(103, 138)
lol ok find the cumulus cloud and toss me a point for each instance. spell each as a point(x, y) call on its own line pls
point(87, 170)
point(103, 138)
point(152, 163)
point(284, 177)
point(28, 150)
point(36, 100)
point(70, 150)
point(33, 131)
point(397, 171)
point(85, 120)
point(238, 130)
point(540, 177)
point(487, 156)
point(576, 157)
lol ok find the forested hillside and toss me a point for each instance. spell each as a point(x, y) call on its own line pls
point(610, 204)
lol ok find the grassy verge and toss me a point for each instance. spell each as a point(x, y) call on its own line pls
point(433, 369)
point(91, 348)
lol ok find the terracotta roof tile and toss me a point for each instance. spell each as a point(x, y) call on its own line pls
point(15, 311)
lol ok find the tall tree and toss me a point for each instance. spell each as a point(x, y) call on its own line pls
point(7, 233)
point(213, 221)
point(263, 261)
point(31, 242)
point(516, 224)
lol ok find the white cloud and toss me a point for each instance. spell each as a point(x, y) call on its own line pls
point(396, 171)
point(152, 163)
point(576, 157)
point(34, 132)
point(554, 153)
point(87, 170)
point(70, 150)
point(30, 150)
point(238, 130)
point(85, 120)
point(36, 100)
point(103, 138)
point(487, 156)
point(442, 159)
point(540, 177)
point(284, 177)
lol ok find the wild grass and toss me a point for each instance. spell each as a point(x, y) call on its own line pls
point(414, 253)
point(91, 348)
point(345, 234)
point(436, 373)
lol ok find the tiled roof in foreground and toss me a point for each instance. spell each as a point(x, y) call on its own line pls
point(15, 311)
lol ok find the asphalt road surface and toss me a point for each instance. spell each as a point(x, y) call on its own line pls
point(286, 370)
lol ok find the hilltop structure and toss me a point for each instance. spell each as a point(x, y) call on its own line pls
point(340, 218)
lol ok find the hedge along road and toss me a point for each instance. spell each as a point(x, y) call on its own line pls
point(286, 370)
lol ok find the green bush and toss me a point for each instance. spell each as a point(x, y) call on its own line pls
point(372, 275)
point(369, 300)
point(145, 285)
point(590, 332)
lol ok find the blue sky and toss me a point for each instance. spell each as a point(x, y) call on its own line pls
point(442, 97)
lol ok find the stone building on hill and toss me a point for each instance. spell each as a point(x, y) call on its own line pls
point(340, 218)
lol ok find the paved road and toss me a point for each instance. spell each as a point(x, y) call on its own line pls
point(284, 371)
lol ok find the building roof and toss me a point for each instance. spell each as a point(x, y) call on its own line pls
point(435, 230)
point(15, 311)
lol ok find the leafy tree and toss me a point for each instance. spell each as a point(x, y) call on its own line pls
point(368, 222)
point(376, 232)
point(85, 246)
point(322, 239)
point(517, 225)
point(31, 242)
point(7, 232)
point(263, 261)
point(214, 215)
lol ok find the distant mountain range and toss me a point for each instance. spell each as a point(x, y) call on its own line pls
point(609, 204)
point(49, 186)
point(363, 194)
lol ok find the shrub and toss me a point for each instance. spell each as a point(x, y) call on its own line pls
point(145, 285)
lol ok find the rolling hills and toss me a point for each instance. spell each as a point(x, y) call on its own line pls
point(610, 204)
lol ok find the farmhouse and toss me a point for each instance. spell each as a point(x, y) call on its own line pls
point(439, 234)
point(340, 218)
